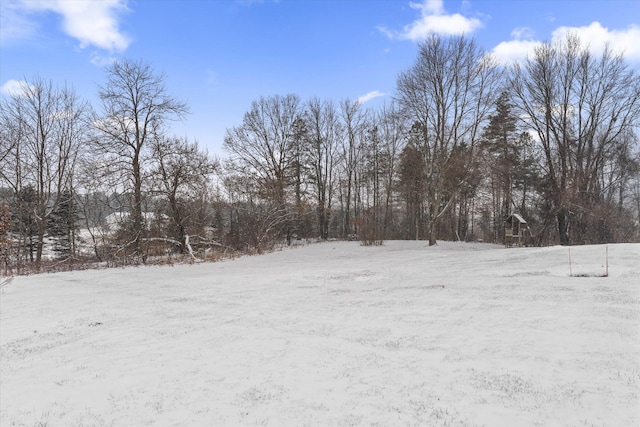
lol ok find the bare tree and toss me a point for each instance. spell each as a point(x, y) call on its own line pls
point(6, 260)
point(371, 220)
point(253, 221)
point(392, 134)
point(100, 187)
point(9, 138)
point(580, 107)
point(12, 141)
point(448, 93)
point(323, 136)
point(182, 172)
point(263, 148)
point(355, 123)
point(634, 198)
point(135, 110)
point(47, 125)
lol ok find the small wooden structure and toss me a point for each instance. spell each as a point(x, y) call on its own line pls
point(514, 229)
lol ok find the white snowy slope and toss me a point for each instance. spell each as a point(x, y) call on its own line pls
point(331, 334)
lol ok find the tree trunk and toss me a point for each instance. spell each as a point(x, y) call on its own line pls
point(40, 244)
point(136, 214)
point(432, 233)
point(433, 217)
point(563, 226)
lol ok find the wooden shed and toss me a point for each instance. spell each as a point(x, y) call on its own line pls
point(514, 229)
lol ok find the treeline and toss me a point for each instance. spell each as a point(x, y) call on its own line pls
point(464, 144)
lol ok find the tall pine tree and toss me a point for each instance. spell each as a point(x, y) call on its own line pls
point(510, 162)
point(62, 225)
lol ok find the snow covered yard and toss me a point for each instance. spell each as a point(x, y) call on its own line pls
point(331, 334)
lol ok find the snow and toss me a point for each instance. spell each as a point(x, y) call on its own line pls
point(331, 334)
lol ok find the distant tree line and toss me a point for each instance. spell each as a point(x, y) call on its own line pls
point(464, 143)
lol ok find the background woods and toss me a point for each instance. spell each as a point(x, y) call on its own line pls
point(464, 144)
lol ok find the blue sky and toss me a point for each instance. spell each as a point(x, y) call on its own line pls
point(221, 55)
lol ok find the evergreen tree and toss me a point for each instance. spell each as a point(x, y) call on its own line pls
point(62, 225)
point(510, 163)
point(412, 187)
point(501, 146)
point(26, 222)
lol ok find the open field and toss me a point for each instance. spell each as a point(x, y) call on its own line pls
point(331, 334)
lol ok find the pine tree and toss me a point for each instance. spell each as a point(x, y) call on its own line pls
point(62, 225)
point(501, 149)
point(412, 187)
point(26, 222)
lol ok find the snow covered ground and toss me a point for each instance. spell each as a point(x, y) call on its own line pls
point(331, 334)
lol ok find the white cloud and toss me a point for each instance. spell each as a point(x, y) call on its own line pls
point(100, 60)
point(13, 88)
point(522, 33)
point(514, 50)
point(434, 19)
point(15, 25)
point(466, 6)
point(113, 124)
point(387, 32)
point(595, 36)
point(429, 7)
point(369, 96)
point(92, 23)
